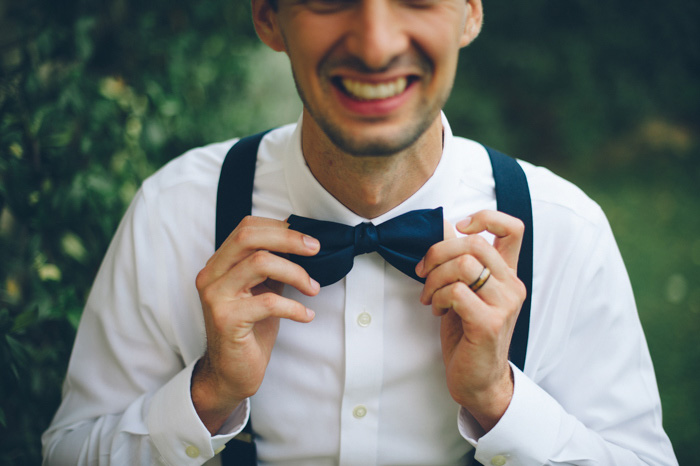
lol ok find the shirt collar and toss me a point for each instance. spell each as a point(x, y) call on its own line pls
point(309, 199)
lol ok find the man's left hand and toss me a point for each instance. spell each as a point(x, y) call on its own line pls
point(477, 326)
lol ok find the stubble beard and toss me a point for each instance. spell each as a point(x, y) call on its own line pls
point(358, 145)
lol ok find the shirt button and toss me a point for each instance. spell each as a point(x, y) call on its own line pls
point(364, 319)
point(499, 460)
point(192, 451)
point(359, 412)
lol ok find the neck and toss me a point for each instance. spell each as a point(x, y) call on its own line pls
point(371, 186)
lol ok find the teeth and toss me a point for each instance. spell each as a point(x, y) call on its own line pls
point(367, 91)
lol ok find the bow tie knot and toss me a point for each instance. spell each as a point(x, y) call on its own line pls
point(366, 238)
point(401, 241)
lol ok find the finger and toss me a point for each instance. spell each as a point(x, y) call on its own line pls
point(257, 233)
point(449, 233)
point(268, 305)
point(468, 270)
point(459, 298)
point(259, 267)
point(508, 231)
point(465, 268)
point(480, 323)
point(473, 245)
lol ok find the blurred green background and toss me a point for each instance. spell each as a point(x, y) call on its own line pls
point(96, 95)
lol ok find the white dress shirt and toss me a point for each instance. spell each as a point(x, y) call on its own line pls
point(363, 383)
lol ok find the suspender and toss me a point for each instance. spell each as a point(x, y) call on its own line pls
point(235, 199)
point(513, 198)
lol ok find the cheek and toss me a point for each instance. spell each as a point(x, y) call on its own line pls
point(306, 52)
point(439, 38)
point(302, 65)
point(443, 59)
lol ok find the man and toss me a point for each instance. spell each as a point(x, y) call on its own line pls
point(163, 372)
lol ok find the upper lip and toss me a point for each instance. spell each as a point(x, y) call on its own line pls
point(374, 78)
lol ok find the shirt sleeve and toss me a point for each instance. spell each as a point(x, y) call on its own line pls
point(589, 395)
point(126, 397)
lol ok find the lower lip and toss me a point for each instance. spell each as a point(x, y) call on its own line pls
point(375, 108)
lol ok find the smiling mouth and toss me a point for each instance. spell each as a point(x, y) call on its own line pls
point(366, 91)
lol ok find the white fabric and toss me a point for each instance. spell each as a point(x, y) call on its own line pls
point(587, 395)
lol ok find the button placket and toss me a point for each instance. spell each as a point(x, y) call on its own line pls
point(364, 345)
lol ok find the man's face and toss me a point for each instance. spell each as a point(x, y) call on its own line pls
point(373, 74)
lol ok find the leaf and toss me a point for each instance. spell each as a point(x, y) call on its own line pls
point(49, 272)
point(24, 320)
point(72, 245)
point(18, 352)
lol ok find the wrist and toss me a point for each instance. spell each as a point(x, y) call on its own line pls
point(212, 406)
point(488, 406)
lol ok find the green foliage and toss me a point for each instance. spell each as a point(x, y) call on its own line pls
point(94, 96)
point(559, 78)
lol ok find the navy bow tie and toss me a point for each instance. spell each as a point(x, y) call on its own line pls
point(401, 241)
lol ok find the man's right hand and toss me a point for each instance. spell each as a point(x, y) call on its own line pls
point(240, 291)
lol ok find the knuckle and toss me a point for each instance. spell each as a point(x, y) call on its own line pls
point(518, 288)
point(465, 263)
point(202, 279)
point(477, 242)
point(458, 291)
point(218, 321)
point(243, 234)
point(514, 298)
point(247, 221)
point(521, 292)
point(260, 259)
point(208, 295)
point(470, 244)
point(430, 255)
point(269, 300)
point(518, 226)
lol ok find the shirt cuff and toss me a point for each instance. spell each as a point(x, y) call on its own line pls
point(526, 433)
point(176, 431)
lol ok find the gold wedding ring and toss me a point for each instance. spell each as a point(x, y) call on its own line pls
point(479, 282)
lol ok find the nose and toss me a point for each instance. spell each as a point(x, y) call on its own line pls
point(376, 35)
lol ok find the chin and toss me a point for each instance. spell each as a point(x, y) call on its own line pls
point(380, 144)
point(372, 147)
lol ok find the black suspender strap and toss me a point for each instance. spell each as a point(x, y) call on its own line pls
point(235, 200)
point(513, 198)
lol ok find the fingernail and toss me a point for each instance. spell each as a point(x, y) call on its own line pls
point(314, 284)
point(311, 243)
point(422, 300)
point(463, 224)
point(419, 268)
point(310, 314)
